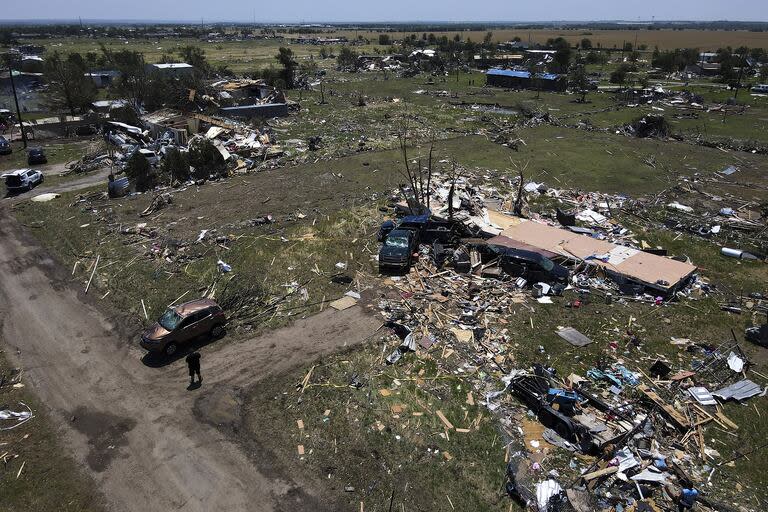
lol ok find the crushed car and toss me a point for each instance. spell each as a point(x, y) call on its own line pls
point(576, 415)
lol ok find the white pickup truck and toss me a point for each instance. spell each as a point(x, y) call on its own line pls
point(22, 180)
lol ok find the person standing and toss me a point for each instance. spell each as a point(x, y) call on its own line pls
point(193, 363)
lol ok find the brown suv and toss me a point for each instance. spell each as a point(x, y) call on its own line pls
point(183, 323)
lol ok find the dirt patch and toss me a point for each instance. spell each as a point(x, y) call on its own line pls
point(247, 364)
point(105, 433)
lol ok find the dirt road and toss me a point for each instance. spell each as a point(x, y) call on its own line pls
point(70, 185)
point(134, 426)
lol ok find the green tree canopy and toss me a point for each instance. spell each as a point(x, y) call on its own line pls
point(140, 173)
point(70, 89)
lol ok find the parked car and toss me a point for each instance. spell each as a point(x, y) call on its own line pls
point(22, 180)
point(182, 324)
point(5, 146)
point(397, 250)
point(760, 89)
point(36, 156)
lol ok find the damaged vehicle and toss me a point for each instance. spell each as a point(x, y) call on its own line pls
point(531, 265)
point(396, 252)
point(183, 324)
point(575, 415)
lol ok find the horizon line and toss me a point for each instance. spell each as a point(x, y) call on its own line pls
point(128, 21)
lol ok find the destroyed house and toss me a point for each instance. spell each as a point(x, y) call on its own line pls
point(235, 92)
point(261, 110)
point(32, 64)
point(178, 125)
point(623, 264)
point(514, 79)
point(704, 69)
point(504, 59)
point(250, 98)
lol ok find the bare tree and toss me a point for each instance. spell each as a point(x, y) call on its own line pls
point(518, 206)
point(419, 178)
point(454, 176)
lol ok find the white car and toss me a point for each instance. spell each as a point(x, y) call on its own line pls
point(22, 180)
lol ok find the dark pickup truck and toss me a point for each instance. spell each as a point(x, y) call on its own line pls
point(396, 252)
point(411, 231)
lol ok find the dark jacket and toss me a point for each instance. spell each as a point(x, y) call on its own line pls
point(193, 361)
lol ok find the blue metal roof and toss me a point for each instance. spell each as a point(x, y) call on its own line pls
point(520, 74)
point(416, 219)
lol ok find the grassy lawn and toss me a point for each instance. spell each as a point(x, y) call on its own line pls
point(375, 449)
point(37, 474)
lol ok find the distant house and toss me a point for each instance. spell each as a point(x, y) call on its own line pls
point(504, 60)
point(427, 54)
point(513, 46)
point(23, 81)
point(513, 79)
point(703, 69)
point(102, 79)
point(707, 56)
point(104, 106)
point(171, 69)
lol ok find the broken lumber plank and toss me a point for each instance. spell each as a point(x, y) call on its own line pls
point(709, 416)
point(680, 421)
point(306, 378)
point(95, 266)
point(600, 472)
point(725, 419)
point(445, 421)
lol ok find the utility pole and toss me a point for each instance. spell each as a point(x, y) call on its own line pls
point(16, 99)
point(741, 74)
